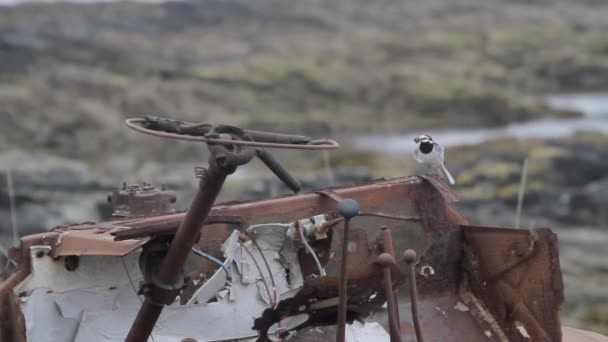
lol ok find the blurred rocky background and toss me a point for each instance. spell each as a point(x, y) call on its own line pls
point(495, 81)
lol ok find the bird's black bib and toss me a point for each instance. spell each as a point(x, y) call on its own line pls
point(426, 147)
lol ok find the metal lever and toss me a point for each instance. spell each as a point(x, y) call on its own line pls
point(348, 209)
point(410, 258)
point(275, 166)
point(226, 131)
point(392, 297)
point(386, 261)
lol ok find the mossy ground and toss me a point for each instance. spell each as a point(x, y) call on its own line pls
point(295, 67)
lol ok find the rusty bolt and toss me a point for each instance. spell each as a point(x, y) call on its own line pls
point(409, 256)
point(386, 259)
point(39, 254)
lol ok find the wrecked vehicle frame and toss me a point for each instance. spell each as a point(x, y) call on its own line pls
point(477, 283)
point(446, 274)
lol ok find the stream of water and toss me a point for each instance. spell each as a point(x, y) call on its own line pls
point(595, 119)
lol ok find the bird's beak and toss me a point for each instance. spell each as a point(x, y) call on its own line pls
point(417, 139)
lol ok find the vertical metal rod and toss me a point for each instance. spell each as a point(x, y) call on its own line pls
point(342, 290)
point(328, 169)
point(11, 201)
point(386, 260)
point(182, 243)
point(348, 209)
point(522, 191)
point(387, 247)
point(144, 322)
point(189, 228)
point(410, 257)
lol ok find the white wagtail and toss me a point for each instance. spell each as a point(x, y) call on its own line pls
point(432, 154)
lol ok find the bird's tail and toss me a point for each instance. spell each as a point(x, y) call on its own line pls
point(447, 175)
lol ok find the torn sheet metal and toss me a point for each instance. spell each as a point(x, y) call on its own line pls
point(56, 317)
point(95, 301)
point(102, 314)
point(276, 250)
point(54, 300)
point(318, 298)
point(224, 319)
point(219, 279)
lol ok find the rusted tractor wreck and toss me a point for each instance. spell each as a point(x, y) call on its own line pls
point(304, 267)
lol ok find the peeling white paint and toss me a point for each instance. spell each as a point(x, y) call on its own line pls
point(94, 271)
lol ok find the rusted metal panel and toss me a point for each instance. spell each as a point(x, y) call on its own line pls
point(444, 189)
point(12, 323)
point(358, 246)
point(516, 273)
point(372, 195)
point(93, 241)
point(439, 261)
point(446, 319)
point(167, 227)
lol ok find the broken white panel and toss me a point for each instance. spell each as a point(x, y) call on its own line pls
point(231, 316)
point(96, 302)
point(218, 280)
point(217, 321)
point(56, 299)
point(93, 271)
point(366, 332)
point(44, 321)
point(279, 253)
point(55, 317)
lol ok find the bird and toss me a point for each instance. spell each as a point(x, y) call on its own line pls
point(430, 153)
